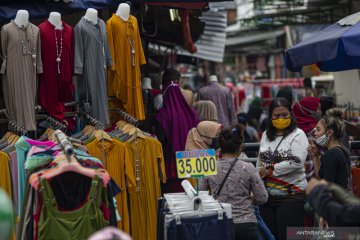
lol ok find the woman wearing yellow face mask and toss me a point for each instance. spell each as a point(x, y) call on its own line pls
point(283, 151)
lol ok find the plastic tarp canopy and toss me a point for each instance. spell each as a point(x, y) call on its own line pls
point(42, 8)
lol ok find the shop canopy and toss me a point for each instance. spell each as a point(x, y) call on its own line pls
point(336, 48)
point(42, 8)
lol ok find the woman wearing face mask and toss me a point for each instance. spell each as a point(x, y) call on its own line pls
point(307, 113)
point(204, 136)
point(334, 166)
point(243, 181)
point(283, 150)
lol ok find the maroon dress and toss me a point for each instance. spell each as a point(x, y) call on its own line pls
point(56, 84)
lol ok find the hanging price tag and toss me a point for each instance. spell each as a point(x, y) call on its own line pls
point(197, 163)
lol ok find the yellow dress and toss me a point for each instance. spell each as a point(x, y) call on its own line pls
point(117, 163)
point(124, 79)
point(143, 204)
point(5, 177)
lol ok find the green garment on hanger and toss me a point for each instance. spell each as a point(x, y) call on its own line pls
point(78, 224)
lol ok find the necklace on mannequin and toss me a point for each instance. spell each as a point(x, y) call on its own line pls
point(58, 53)
point(131, 39)
point(26, 49)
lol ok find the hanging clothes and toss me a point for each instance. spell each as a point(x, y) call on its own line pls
point(76, 224)
point(115, 157)
point(92, 58)
point(56, 83)
point(5, 174)
point(21, 62)
point(127, 55)
point(143, 203)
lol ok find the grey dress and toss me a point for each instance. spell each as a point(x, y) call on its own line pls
point(21, 63)
point(92, 57)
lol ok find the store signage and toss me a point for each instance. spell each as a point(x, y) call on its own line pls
point(197, 163)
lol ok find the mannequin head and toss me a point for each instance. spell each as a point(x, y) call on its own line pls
point(22, 18)
point(91, 15)
point(55, 19)
point(213, 78)
point(123, 11)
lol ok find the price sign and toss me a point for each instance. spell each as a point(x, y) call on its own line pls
point(197, 163)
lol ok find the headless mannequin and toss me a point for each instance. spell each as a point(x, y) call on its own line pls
point(22, 18)
point(123, 11)
point(55, 19)
point(91, 15)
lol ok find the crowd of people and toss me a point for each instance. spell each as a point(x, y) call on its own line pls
point(303, 169)
point(302, 157)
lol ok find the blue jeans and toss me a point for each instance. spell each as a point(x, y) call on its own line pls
point(265, 233)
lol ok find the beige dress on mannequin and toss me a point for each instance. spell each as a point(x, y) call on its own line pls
point(21, 63)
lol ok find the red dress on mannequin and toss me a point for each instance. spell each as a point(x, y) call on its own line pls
point(56, 88)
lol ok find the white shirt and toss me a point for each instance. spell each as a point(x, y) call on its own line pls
point(289, 168)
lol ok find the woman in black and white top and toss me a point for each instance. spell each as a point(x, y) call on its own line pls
point(334, 166)
point(283, 151)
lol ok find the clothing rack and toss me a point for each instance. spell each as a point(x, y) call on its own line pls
point(92, 121)
point(126, 116)
point(56, 124)
point(17, 128)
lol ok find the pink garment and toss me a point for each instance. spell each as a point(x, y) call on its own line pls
point(40, 143)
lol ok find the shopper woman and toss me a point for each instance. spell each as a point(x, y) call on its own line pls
point(206, 111)
point(204, 136)
point(307, 113)
point(283, 150)
point(243, 181)
point(174, 122)
point(334, 165)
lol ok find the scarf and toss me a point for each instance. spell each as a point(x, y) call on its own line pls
point(176, 117)
point(201, 136)
point(306, 115)
point(206, 110)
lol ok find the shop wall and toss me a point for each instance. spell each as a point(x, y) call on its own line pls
point(347, 85)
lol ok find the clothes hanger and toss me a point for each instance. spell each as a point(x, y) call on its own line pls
point(101, 134)
point(88, 130)
point(63, 166)
point(135, 133)
point(128, 127)
point(120, 124)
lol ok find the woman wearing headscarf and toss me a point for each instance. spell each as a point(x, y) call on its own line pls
point(206, 111)
point(204, 136)
point(174, 122)
point(307, 113)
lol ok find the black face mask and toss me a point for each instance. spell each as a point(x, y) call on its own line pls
point(214, 143)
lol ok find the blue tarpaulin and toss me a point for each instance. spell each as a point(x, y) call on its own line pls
point(336, 48)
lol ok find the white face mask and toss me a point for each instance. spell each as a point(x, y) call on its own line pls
point(323, 140)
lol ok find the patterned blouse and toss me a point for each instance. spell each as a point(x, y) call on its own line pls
point(242, 189)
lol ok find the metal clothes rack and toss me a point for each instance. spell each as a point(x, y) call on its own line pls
point(92, 121)
point(55, 124)
point(17, 128)
point(125, 116)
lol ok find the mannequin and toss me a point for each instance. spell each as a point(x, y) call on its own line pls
point(123, 11)
point(55, 19)
point(91, 15)
point(56, 84)
point(213, 78)
point(21, 54)
point(22, 18)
